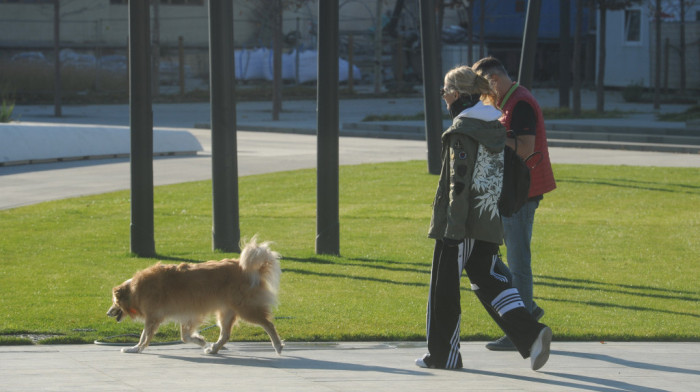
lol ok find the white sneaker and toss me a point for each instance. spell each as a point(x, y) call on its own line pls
point(539, 352)
point(420, 362)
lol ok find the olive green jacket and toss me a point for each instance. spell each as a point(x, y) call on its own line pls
point(466, 201)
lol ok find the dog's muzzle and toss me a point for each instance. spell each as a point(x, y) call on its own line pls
point(115, 312)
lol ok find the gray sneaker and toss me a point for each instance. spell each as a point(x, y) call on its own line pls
point(539, 352)
point(538, 313)
point(502, 344)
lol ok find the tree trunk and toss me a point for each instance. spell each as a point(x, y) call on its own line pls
point(657, 55)
point(564, 52)
point(277, 61)
point(470, 33)
point(378, 49)
point(575, 65)
point(155, 48)
point(682, 49)
point(482, 20)
point(600, 88)
point(391, 28)
point(440, 5)
point(57, 61)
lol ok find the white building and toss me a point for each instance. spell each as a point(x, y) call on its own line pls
point(631, 46)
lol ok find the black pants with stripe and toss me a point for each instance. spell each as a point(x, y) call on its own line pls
point(491, 282)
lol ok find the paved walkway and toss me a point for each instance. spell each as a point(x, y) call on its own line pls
point(383, 366)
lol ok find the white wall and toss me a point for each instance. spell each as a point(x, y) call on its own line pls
point(626, 63)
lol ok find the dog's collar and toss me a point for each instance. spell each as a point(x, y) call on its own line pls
point(132, 311)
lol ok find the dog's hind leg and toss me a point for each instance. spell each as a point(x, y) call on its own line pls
point(225, 320)
point(274, 337)
point(149, 329)
point(189, 335)
point(269, 327)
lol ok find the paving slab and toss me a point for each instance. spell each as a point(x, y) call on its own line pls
point(349, 366)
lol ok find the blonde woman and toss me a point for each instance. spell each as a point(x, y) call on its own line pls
point(467, 229)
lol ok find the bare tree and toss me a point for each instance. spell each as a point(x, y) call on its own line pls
point(482, 20)
point(575, 64)
point(378, 46)
point(657, 55)
point(682, 47)
point(277, 13)
point(270, 13)
point(684, 5)
point(57, 61)
point(155, 48)
point(440, 6)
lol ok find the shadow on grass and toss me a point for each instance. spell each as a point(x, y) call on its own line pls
point(675, 295)
point(635, 184)
point(162, 257)
point(362, 278)
point(588, 281)
point(610, 305)
point(368, 263)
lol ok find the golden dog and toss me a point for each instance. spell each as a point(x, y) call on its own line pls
point(187, 293)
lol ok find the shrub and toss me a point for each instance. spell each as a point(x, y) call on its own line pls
point(633, 92)
point(6, 111)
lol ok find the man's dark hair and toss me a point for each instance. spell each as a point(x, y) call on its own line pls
point(489, 65)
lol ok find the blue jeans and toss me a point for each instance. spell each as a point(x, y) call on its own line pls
point(517, 232)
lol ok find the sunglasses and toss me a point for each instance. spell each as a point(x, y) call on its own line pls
point(443, 92)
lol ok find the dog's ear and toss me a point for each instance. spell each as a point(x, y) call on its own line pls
point(122, 292)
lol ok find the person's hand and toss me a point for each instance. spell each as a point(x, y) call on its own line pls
point(451, 242)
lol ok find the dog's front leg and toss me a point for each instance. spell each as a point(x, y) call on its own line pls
point(189, 336)
point(149, 329)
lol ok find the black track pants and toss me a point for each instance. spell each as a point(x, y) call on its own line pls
point(492, 283)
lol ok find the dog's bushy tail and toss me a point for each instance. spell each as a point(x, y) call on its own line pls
point(261, 264)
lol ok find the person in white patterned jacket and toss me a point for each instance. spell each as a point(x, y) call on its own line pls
point(467, 229)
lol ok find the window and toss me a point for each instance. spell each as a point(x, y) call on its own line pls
point(633, 25)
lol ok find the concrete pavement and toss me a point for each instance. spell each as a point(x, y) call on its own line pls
point(368, 366)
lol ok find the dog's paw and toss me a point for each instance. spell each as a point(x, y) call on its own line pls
point(211, 350)
point(131, 350)
point(278, 349)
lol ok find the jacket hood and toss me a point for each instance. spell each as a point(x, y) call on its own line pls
point(480, 111)
point(480, 122)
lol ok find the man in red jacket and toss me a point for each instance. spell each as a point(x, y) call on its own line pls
point(521, 115)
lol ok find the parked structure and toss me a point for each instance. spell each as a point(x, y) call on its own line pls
point(631, 46)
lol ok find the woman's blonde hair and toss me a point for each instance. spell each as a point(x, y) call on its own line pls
point(465, 81)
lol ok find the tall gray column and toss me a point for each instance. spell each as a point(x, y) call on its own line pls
point(141, 121)
point(225, 227)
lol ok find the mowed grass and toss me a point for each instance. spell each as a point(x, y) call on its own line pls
point(615, 256)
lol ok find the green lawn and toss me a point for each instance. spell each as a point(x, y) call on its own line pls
point(616, 256)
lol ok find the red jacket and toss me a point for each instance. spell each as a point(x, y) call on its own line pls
point(541, 177)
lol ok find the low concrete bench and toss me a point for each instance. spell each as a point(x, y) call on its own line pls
point(24, 143)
